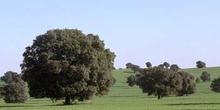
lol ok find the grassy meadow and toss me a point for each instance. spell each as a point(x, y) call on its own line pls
point(123, 97)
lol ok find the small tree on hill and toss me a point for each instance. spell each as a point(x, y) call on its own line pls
point(200, 64)
point(205, 76)
point(148, 64)
point(14, 91)
point(135, 68)
point(174, 67)
point(215, 85)
point(128, 65)
point(167, 65)
point(131, 80)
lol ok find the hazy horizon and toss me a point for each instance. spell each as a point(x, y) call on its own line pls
point(178, 32)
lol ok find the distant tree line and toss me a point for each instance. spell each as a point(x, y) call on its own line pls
point(136, 68)
point(175, 67)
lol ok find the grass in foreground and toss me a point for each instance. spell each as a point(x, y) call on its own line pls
point(123, 97)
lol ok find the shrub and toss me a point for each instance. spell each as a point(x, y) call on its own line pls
point(215, 85)
point(205, 76)
point(131, 80)
point(198, 80)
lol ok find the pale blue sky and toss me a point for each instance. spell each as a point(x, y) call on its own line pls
point(176, 31)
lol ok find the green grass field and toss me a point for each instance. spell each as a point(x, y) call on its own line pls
point(123, 97)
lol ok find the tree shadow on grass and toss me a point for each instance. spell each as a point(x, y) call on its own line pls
point(186, 104)
point(121, 96)
point(72, 104)
point(15, 106)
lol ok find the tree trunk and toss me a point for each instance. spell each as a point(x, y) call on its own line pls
point(158, 97)
point(67, 100)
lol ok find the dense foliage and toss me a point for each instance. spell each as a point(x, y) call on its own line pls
point(14, 91)
point(166, 64)
point(163, 82)
point(215, 85)
point(133, 67)
point(148, 64)
point(65, 63)
point(174, 67)
point(161, 66)
point(131, 80)
point(205, 76)
point(188, 84)
point(200, 64)
point(128, 65)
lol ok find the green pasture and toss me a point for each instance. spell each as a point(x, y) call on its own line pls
point(123, 97)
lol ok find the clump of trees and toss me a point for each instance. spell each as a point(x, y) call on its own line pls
point(66, 63)
point(163, 82)
point(200, 64)
point(166, 65)
point(215, 85)
point(205, 76)
point(133, 67)
point(14, 91)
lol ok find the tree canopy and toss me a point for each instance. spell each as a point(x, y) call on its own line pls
point(128, 65)
point(14, 91)
point(215, 85)
point(65, 63)
point(166, 64)
point(205, 76)
point(174, 67)
point(200, 64)
point(131, 80)
point(148, 64)
point(188, 84)
point(163, 82)
point(159, 82)
point(133, 67)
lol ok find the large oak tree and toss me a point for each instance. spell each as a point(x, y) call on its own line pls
point(65, 63)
